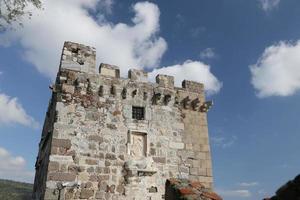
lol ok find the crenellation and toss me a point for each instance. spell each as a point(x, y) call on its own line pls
point(109, 70)
point(78, 57)
point(193, 86)
point(121, 138)
point(137, 75)
point(165, 81)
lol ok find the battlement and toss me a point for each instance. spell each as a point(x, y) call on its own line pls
point(78, 57)
point(115, 138)
point(81, 58)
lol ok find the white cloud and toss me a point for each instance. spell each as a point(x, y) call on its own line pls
point(207, 53)
point(277, 72)
point(223, 142)
point(11, 111)
point(191, 70)
point(248, 184)
point(13, 167)
point(134, 45)
point(268, 5)
point(234, 193)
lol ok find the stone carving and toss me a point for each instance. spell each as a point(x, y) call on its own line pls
point(138, 145)
point(186, 102)
point(195, 104)
point(206, 106)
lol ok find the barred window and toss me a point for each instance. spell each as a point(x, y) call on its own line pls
point(138, 113)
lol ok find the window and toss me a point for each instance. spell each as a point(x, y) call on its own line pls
point(138, 113)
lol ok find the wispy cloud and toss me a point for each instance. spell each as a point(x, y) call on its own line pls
point(223, 142)
point(180, 18)
point(268, 5)
point(196, 32)
point(234, 193)
point(207, 53)
point(12, 112)
point(13, 167)
point(262, 192)
point(248, 184)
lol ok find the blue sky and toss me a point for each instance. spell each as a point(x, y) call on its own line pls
point(246, 52)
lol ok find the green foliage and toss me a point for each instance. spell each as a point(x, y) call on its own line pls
point(12, 11)
point(11, 190)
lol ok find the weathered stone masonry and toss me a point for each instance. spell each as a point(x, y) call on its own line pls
point(107, 137)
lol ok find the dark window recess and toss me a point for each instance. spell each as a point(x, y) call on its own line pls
point(138, 113)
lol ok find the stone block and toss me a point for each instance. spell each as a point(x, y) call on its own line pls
point(109, 70)
point(51, 194)
point(193, 86)
point(100, 195)
point(61, 176)
point(194, 171)
point(91, 162)
point(61, 159)
point(176, 145)
point(202, 172)
point(138, 75)
point(68, 88)
point(209, 172)
point(161, 160)
point(86, 193)
point(53, 166)
point(120, 189)
point(78, 57)
point(96, 138)
point(64, 143)
point(110, 156)
point(69, 194)
point(165, 81)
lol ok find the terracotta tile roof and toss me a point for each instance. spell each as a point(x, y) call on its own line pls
point(190, 190)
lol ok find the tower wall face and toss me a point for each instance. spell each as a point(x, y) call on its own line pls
point(115, 138)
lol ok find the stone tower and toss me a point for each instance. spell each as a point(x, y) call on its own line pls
point(107, 137)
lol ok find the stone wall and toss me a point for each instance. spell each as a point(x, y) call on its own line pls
point(93, 148)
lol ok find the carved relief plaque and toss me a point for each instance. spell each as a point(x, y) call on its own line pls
point(138, 145)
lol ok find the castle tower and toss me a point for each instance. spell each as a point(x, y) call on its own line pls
point(113, 138)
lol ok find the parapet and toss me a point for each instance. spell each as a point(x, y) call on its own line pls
point(165, 81)
point(81, 58)
point(192, 86)
point(78, 57)
point(109, 70)
point(138, 75)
